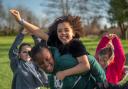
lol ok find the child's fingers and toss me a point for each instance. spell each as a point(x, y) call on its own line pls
point(14, 12)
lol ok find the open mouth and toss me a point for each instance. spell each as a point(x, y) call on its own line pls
point(63, 37)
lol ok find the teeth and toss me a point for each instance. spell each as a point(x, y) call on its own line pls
point(63, 37)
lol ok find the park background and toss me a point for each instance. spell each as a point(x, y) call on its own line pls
point(98, 17)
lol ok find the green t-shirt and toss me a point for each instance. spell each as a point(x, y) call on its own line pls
point(79, 81)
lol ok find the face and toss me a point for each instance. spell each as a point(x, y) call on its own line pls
point(45, 60)
point(65, 32)
point(105, 60)
point(24, 53)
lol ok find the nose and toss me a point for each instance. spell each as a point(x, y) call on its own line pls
point(63, 32)
point(46, 63)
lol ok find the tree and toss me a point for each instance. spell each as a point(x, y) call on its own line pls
point(56, 7)
point(2, 10)
point(27, 14)
point(119, 15)
point(2, 15)
point(87, 9)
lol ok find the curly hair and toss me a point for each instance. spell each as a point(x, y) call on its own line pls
point(74, 21)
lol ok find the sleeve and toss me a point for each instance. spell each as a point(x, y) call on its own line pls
point(43, 76)
point(53, 41)
point(51, 81)
point(78, 49)
point(96, 70)
point(13, 51)
point(119, 59)
point(102, 43)
point(36, 39)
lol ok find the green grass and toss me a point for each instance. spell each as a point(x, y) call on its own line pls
point(91, 43)
point(5, 43)
point(5, 72)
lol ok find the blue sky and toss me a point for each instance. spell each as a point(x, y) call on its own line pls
point(33, 5)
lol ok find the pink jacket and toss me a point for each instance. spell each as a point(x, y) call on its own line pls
point(115, 70)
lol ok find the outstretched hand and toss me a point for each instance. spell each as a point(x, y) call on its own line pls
point(16, 14)
point(60, 75)
point(111, 36)
point(24, 31)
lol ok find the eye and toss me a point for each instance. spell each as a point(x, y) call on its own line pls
point(59, 30)
point(66, 30)
point(24, 51)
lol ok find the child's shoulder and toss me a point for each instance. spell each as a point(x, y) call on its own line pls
point(76, 42)
point(54, 51)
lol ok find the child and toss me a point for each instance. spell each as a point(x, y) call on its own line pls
point(26, 75)
point(110, 55)
point(50, 60)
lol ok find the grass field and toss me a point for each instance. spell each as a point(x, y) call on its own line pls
point(6, 41)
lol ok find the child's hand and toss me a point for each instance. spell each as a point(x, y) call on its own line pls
point(111, 36)
point(60, 75)
point(16, 14)
point(24, 31)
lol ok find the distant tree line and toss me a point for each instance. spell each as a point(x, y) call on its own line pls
point(8, 26)
point(92, 13)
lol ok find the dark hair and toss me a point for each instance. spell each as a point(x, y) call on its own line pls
point(107, 50)
point(75, 23)
point(22, 45)
point(37, 48)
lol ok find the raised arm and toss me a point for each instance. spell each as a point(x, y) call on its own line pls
point(79, 52)
point(30, 27)
point(13, 51)
point(119, 59)
point(102, 43)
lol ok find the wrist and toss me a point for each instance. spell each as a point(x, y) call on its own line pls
point(21, 22)
point(65, 74)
